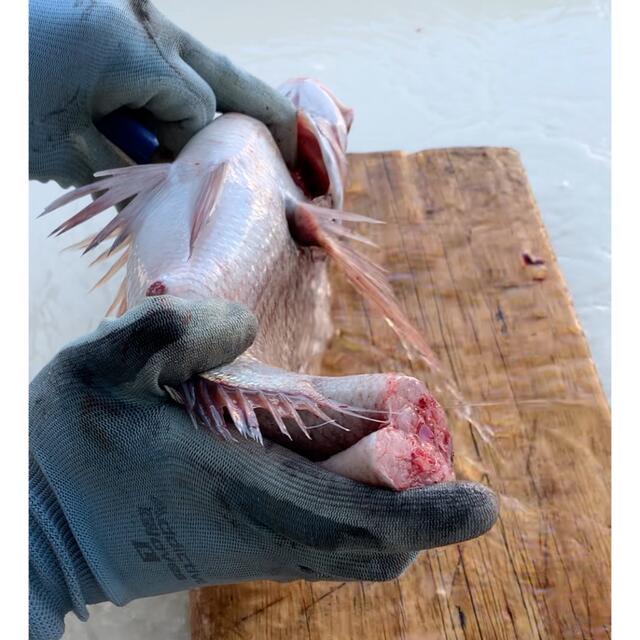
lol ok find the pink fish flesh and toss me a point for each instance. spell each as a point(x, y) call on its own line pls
point(227, 219)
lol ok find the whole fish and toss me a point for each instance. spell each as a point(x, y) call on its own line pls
point(228, 219)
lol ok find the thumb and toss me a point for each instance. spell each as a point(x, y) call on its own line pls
point(93, 152)
point(164, 341)
point(303, 502)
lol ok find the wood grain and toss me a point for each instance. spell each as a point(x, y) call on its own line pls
point(472, 265)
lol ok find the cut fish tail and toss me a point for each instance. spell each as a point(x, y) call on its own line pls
point(383, 429)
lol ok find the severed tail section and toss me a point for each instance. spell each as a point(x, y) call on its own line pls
point(396, 437)
point(319, 226)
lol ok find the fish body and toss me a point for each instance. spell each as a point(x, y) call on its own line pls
point(227, 219)
point(244, 251)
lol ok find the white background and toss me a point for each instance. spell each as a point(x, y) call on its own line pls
point(530, 74)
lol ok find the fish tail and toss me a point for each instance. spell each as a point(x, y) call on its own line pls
point(319, 226)
point(397, 437)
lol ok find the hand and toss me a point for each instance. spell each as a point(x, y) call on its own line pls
point(87, 59)
point(153, 504)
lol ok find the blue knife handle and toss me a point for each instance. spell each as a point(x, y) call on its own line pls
point(130, 135)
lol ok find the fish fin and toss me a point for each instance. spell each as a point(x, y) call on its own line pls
point(207, 200)
point(140, 181)
point(82, 244)
point(319, 226)
point(335, 215)
point(119, 304)
point(114, 187)
point(113, 269)
point(138, 184)
point(209, 401)
point(107, 253)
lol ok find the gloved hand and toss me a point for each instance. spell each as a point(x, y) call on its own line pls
point(129, 499)
point(87, 59)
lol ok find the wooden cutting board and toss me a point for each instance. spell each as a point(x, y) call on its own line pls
point(471, 262)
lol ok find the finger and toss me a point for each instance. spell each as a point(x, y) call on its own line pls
point(164, 341)
point(236, 90)
point(181, 106)
point(93, 152)
point(316, 564)
point(302, 502)
point(178, 101)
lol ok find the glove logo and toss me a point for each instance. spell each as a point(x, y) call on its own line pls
point(162, 544)
point(145, 551)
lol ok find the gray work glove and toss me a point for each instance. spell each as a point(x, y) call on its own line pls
point(128, 499)
point(90, 58)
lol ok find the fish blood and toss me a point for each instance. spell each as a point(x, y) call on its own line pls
point(156, 289)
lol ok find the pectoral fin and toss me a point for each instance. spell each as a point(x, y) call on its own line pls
point(311, 225)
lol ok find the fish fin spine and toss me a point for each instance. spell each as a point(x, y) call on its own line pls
point(220, 405)
point(207, 200)
point(138, 184)
point(320, 226)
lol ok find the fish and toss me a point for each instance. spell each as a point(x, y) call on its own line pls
point(228, 219)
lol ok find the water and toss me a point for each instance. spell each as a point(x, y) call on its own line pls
point(529, 75)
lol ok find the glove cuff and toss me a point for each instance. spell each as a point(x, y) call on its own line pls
point(60, 579)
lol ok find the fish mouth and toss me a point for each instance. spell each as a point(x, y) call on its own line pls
point(310, 171)
point(321, 162)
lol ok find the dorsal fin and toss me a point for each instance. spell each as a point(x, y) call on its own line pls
point(114, 187)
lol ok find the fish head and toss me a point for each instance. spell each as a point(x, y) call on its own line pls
point(323, 123)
